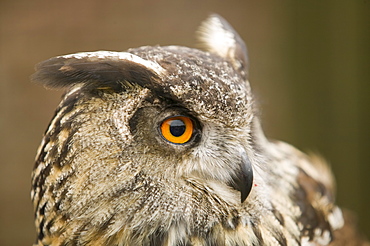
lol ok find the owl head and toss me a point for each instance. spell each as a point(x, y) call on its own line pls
point(145, 141)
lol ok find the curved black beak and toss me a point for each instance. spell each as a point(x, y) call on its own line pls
point(243, 180)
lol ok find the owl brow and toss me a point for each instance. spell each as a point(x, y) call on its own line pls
point(65, 71)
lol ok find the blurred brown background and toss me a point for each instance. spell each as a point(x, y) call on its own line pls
point(309, 69)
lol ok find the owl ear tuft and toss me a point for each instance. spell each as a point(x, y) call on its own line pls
point(219, 37)
point(94, 70)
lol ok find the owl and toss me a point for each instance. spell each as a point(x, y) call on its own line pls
point(163, 146)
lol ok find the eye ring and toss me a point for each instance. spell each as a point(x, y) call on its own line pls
point(177, 129)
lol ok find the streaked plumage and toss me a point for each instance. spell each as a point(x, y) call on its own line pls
point(106, 174)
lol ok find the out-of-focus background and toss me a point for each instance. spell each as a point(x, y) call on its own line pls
point(309, 69)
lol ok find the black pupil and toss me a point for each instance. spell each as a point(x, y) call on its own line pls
point(177, 128)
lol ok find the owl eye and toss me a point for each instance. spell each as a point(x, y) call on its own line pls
point(177, 129)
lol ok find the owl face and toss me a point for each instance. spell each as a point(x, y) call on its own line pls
point(145, 139)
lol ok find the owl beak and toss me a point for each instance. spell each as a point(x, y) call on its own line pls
point(243, 180)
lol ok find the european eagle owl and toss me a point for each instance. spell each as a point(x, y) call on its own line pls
point(163, 146)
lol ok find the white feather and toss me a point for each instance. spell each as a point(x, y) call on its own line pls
point(115, 56)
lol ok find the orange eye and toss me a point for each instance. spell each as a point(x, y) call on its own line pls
point(177, 129)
